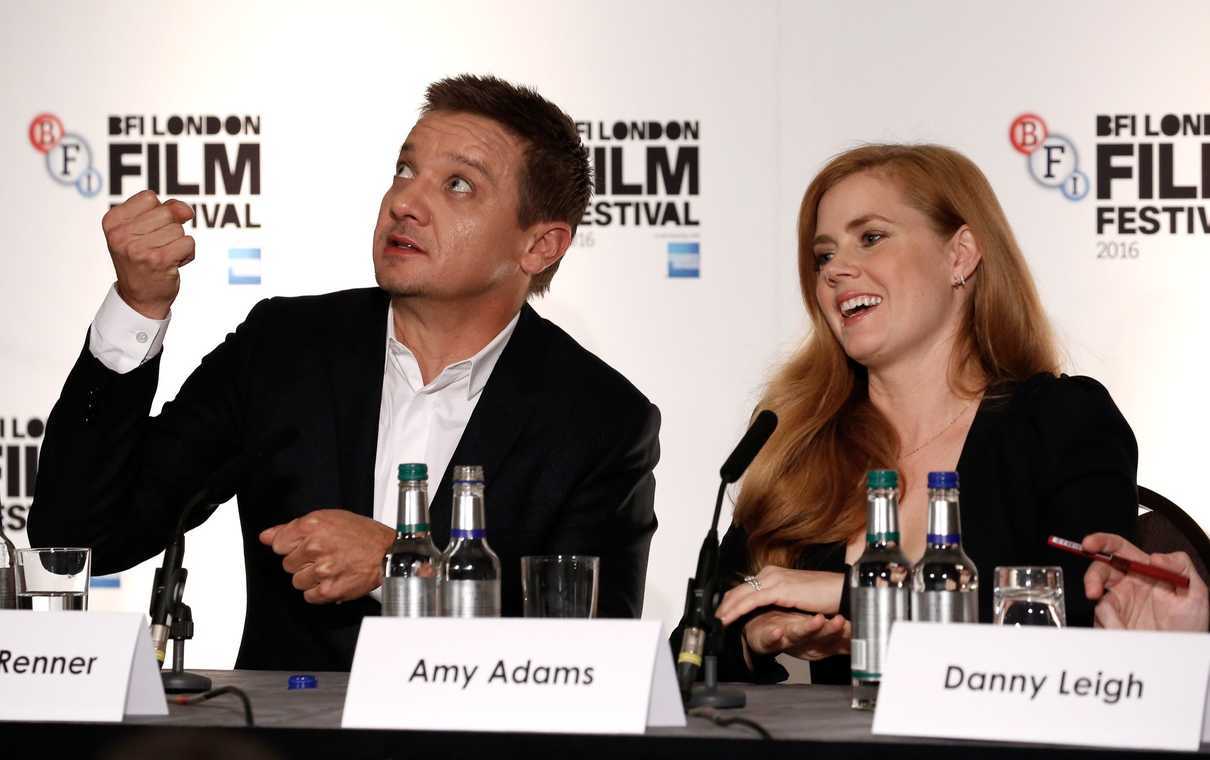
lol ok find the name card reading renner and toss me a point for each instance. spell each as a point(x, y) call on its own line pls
point(77, 666)
point(512, 674)
point(1129, 689)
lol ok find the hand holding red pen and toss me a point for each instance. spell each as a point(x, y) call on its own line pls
point(1137, 602)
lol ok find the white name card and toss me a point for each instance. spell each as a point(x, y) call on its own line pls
point(77, 666)
point(1206, 719)
point(512, 674)
point(1130, 689)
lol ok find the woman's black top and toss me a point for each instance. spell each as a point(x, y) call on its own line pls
point(1049, 456)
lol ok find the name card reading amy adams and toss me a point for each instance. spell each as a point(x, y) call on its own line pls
point(1128, 689)
point(512, 674)
point(77, 666)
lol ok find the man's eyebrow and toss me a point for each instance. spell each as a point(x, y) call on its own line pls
point(474, 163)
point(858, 222)
point(459, 158)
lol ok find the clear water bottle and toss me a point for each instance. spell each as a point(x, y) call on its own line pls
point(470, 570)
point(879, 587)
point(411, 565)
point(945, 583)
point(8, 571)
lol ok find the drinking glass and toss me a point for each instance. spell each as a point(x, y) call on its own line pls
point(53, 579)
point(1029, 596)
point(562, 585)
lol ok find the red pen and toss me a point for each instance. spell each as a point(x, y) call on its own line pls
point(1121, 563)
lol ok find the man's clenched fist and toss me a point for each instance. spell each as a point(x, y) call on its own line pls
point(334, 555)
point(148, 244)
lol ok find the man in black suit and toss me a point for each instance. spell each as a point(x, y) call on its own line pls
point(443, 363)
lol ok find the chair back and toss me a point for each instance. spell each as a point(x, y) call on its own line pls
point(1168, 528)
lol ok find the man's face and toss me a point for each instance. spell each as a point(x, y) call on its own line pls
point(447, 227)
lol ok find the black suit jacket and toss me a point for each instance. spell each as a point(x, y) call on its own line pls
point(566, 443)
point(1048, 456)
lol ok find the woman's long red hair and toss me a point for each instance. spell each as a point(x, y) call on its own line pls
point(806, 486)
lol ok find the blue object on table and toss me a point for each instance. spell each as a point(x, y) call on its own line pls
point(302, 681)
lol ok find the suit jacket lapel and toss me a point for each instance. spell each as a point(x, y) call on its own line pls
point(507, 402)
point(357, 354)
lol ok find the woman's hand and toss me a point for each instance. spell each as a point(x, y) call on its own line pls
point(1138, 602)
point(806, 590)
point(803, 635)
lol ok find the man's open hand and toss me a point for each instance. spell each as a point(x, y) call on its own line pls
point(148, 245)
point(1138, 602)
point(333, 554)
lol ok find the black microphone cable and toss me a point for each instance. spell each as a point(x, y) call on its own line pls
point(724, 721)
point(220, 691)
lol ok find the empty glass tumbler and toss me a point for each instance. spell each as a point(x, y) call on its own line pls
point(1029, 596)
point(562, 585)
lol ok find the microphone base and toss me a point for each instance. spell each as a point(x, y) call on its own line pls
point(712, 696)
point(184, 682)
point(708, 694)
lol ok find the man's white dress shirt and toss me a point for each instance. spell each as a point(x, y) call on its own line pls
point(423, 423)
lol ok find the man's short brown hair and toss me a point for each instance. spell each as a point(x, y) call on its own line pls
point(556, 180)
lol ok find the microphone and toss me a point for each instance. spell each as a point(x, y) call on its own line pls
point(169, 578)
point(748, 447)
point(698, 618)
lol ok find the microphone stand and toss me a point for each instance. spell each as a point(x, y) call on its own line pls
point(708, 693)
point(170, 616)
point(701, 631)
point(176, 621)
point(178, 680)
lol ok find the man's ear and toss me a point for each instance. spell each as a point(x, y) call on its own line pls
point(548, 241)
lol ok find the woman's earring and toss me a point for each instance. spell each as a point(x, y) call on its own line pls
point(959, 281)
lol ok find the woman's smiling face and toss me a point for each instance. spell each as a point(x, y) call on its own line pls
point(885, 275)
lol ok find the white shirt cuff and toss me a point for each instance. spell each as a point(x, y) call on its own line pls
point(123, 339)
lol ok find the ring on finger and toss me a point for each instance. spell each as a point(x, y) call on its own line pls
point(752, 581)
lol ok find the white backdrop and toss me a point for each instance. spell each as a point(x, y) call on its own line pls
point(774, 91)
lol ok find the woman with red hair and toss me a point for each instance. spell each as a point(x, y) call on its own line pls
point(929, 350)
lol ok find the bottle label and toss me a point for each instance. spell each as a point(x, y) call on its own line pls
point(859, 656)
point(946, 606)
point(409, 597)
point(409, 529)
point(874, 610)
point(470, 599)
point(468, 533)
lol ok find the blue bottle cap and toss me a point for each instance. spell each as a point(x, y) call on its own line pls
point(943, 480)
point(302, 681)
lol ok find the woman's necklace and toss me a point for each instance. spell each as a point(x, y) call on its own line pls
point(940, 432)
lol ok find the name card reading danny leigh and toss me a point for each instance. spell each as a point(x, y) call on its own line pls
point(1130, 689)
point(512, 674)
point(77, 666)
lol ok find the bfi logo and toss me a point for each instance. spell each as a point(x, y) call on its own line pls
point(1052, 159)
point(68, 156)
